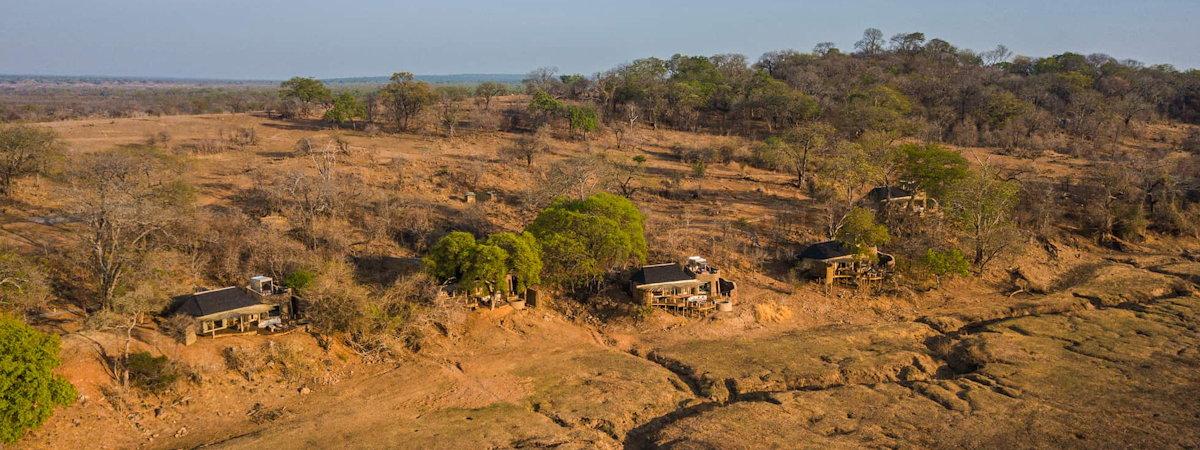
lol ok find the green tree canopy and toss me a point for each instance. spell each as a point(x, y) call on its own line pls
point(486, 266)
point(309, 90)
point(404, 97)
point(877, 108)
point(544, 107)
point(778, 103)
point(859, 230)
point(981, 205)
point(524, 257)
point(449, 255)
point(583, 119)
point(584, 239)
point(933, 168)
point(346, 109)
point(489, 89)
point(305, 92)
point(29, 389)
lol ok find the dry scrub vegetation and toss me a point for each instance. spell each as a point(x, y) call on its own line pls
point(1050, 174)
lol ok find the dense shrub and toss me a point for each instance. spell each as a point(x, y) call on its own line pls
point(29, 389)
point(299, 279)
point(153, 374)
point(940, 263)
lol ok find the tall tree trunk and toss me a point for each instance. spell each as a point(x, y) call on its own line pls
point(803, 171)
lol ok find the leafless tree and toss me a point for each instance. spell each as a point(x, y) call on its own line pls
point(527, 146)
point(124, 199)
point(871, 42)
point(995, 56)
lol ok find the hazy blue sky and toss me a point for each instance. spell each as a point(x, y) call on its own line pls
point(278, 38)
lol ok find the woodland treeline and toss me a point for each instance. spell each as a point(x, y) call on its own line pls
point(907, 84)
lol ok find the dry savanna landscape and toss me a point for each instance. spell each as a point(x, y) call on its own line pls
point(905, 244)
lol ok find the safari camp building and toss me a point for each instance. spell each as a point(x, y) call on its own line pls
point(260, 306)
point(904, 197)
point(835, 260)
point(694, 287)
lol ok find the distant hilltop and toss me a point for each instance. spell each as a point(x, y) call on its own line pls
point(104, 80)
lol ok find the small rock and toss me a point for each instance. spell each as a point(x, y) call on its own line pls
point(305, 390)
point(182, 432)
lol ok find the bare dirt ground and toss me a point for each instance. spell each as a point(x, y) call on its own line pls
point(1107, 356)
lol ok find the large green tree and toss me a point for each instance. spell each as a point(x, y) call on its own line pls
point(404, 98)
point(582, 240)
point(446, 259)
point(486, 264)
point(934, 169)
point(524, 257)
point(485, 267)
point(29, 389)
point(860, 230)
point(981, 205)
point(347, 110)
point(306, 93)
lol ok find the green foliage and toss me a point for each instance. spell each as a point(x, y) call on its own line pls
point(584, 239)
point(485, 267)
point(1003, 106)
point(299, 280)
point(485, 264)
point(779, 103)
point(981, 207)
point(153, 374)
point(29, 389)
point(544, 107)
point(542, 102)
point(583, 118)
point(404, 97)
point(346, 109)
point(308, 90)
point(489, 89)
point(880, 108)
point(859, 230)
point(524, 257)
point(699, 168)
point(933, 168)
point(775, 154)
point(945, 262)
point(450, 255)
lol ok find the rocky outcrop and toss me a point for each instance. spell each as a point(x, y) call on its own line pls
point(726, 369)
point(1108, 377)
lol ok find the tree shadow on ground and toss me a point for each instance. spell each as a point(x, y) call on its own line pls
point(383, 270)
